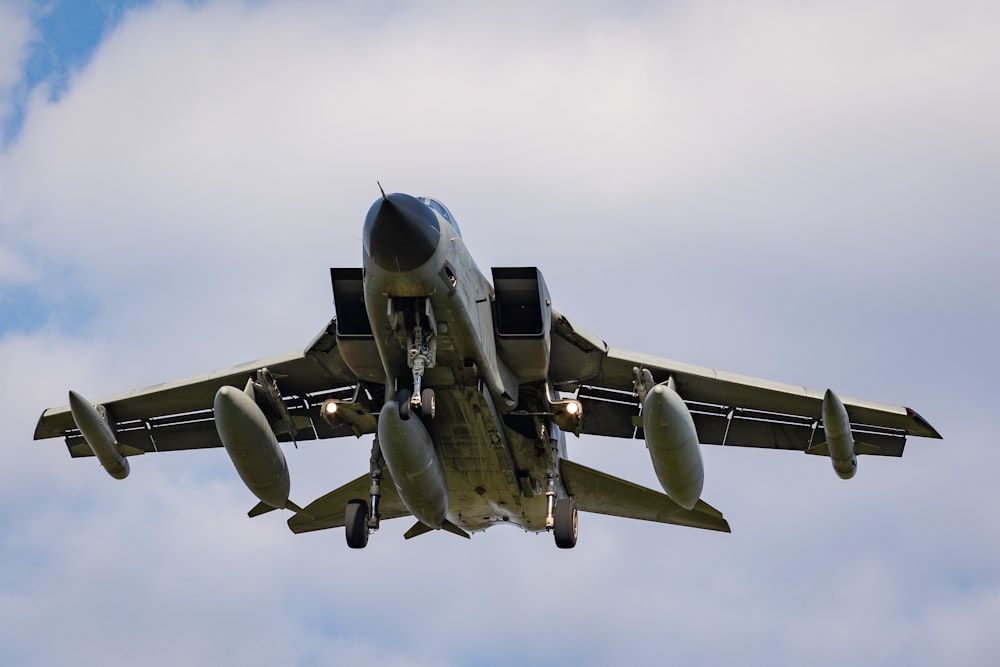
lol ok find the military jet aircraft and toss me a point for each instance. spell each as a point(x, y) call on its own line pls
point(469, 387)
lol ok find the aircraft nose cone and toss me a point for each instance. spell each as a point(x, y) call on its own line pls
point(400, 233)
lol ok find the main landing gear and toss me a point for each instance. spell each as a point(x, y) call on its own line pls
point(566, 523)
point(358, 522)
point(561, 517)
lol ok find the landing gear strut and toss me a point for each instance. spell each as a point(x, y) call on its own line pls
point(550, 501)
point(358, 523)
point(419, 357)
point(375, 466)
point(414, 319)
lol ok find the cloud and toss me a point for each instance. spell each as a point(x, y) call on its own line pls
point(797, 193)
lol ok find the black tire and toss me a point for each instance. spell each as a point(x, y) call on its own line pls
point(403, 398)
point(567, 524)
point(428, 403)
point(356, 524)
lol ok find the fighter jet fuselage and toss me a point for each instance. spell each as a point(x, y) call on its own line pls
point(430, 310)
point(468, 386)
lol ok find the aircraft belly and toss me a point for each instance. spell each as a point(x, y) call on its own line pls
point(483, 485)
point(483, 488)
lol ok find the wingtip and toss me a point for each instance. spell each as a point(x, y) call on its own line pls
point(926, 430)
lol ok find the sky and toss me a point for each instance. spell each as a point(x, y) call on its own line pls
point(804, 192)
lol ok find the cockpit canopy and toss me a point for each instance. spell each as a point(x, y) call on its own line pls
point(435, 205)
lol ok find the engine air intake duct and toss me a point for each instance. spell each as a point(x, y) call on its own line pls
point(522, 315)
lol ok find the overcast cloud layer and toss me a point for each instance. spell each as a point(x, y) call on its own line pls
point(806, 194)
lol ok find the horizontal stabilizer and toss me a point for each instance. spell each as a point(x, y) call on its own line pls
point(598, 492)
point(328, 511)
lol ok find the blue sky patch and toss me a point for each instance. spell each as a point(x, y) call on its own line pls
point(67, 33)
point(23, 310)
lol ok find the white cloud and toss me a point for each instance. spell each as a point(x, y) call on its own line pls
point(13, 267)
point(803, 194)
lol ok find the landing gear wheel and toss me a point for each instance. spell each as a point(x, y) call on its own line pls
point(403, 398)
point(428, 404)
point(356, 524)
point(566, 523)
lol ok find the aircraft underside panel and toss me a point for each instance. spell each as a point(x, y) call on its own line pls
point(482, 476)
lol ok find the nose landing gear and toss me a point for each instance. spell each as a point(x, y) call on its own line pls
point(414, 320)
point(407, 403)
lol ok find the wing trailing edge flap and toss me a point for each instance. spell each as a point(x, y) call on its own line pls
point(328, 511)
point(598, 492)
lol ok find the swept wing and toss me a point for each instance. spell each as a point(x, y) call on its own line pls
point(178, 415)
point(728, 409)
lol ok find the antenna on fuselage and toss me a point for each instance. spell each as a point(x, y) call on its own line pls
point(384, 198)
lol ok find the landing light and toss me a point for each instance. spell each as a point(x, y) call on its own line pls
point(567, 415)
point(330, 408)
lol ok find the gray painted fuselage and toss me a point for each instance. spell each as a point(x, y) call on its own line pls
point(493, 474)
